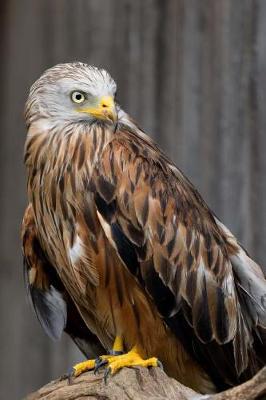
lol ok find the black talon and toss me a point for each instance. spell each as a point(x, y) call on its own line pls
point(159, 364)
point(70, 375)
point(107, 372)
point(63, 377)
point(99, 363)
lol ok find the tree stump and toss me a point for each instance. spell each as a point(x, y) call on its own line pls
point(142, 384)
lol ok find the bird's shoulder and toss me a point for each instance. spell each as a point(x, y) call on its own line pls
point(133, 169)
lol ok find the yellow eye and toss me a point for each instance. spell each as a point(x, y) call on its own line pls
point(77, 97)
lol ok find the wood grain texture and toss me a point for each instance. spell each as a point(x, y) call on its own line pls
point(137, 383)
point(191, 73)
point(142, 384)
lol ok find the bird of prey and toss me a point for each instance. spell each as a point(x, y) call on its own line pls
point(122, 252)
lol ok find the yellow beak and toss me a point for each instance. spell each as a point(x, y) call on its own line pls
point(104, 110)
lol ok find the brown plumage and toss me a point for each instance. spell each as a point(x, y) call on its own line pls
point(130, 242)
point(54, 307)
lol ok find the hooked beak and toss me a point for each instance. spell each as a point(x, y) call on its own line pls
point(105, 109)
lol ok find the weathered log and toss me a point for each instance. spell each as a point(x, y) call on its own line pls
point(142, 384)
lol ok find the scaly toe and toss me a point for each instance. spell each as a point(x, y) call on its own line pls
point(131, 359)
point(102, 361)
point(84, 366)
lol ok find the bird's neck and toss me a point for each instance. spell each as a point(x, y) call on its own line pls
point(56, 145)
point(72, 150)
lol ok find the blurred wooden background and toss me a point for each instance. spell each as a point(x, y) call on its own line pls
point(193, 73)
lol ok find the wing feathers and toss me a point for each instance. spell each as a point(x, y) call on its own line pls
point(54, 308)
point(47, 300)
point(50, 309)
point(251, 281)
point(167, 237)
point(163, 297)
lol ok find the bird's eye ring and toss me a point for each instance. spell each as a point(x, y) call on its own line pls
point(77, 97)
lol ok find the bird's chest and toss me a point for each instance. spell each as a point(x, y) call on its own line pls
point(67, 223)
point(60, 166)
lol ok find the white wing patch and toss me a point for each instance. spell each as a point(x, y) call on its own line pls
point(76, 252)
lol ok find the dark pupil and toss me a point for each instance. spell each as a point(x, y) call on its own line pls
point(78, 97)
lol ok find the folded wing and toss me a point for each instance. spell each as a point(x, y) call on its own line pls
point(204, 285)
point(53, 306)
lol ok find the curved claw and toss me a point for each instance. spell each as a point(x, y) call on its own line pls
point(160, 365)
point(99, 363)
point(64, 376)
point(70, 375)
point(107, 372)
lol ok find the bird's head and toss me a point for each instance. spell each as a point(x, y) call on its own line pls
point(72, 92)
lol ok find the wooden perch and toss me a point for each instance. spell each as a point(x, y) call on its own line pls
point(142, 384)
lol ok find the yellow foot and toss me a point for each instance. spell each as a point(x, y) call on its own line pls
point(130, 359)
point(84, 366)
point(88, 365)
